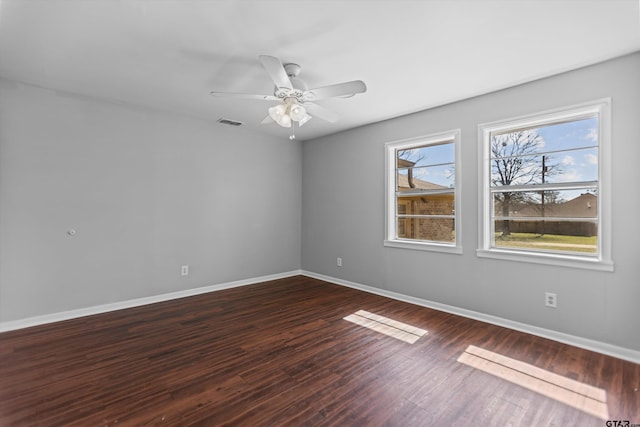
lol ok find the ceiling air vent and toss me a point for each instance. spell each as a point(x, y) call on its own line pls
point(229, 122)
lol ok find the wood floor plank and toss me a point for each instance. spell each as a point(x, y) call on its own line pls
point(281, 353)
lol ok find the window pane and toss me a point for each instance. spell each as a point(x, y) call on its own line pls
point(432, 204)
point(575, 134)
point(562, 136)
point(522, 221)
point(426, 155)
point(433, 229)
point(426, 178)
point(567, 166)
point(547, 235)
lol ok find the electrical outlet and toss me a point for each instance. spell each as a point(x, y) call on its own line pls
point(339, 262)
point(184, 270)
point(550, 299)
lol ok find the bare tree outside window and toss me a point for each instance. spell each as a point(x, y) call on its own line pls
point(516, 160)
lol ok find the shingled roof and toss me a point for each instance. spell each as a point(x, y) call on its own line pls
point(403, 184)
point(583, 206)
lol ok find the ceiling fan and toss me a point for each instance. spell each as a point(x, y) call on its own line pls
point(295, 100)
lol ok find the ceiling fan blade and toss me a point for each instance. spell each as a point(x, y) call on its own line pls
point(321, 112)
point(244, 96)
point(267, 120)
point(338, 90)
point(276, 71)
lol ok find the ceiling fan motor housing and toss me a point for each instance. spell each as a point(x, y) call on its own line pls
point(299, 87)
point(285, 93)
point(292, 69)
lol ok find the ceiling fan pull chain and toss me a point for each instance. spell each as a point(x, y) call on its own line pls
point(293, 135)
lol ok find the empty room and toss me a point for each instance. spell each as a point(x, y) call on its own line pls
point(319, 213)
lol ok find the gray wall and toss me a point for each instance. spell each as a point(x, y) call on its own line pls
point(146, 191)
point(343, 213)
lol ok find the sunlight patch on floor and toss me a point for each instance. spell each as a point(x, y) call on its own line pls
point(384, 325)
point(576, 394)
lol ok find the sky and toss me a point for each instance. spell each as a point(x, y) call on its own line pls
point(570, 149)
point(578, 165)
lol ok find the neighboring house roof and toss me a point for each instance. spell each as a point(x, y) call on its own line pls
point(403, 183)
point(583, 206)
point(404, 163)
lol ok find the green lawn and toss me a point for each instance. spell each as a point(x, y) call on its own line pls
point(547, 241)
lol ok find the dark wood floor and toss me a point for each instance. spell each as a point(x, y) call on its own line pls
point(280, 353)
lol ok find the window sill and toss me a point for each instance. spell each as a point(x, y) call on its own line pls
point(548, 259)
point(424, 246)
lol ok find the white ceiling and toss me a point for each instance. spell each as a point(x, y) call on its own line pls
point(413, 55)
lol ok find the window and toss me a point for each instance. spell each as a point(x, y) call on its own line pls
point(544, 193)
point(422, 202)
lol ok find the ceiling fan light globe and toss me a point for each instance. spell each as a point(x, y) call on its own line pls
point(284, 121)
point(280, 116)
point(297, 112)
point(277, 111)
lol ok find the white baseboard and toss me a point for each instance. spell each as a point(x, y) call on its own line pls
point(588, 344)
point(88, 311)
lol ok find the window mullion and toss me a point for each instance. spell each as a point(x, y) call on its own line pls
point(586, 185)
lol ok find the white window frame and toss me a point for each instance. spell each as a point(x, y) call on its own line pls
point(391, 148)
point(602, 261)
